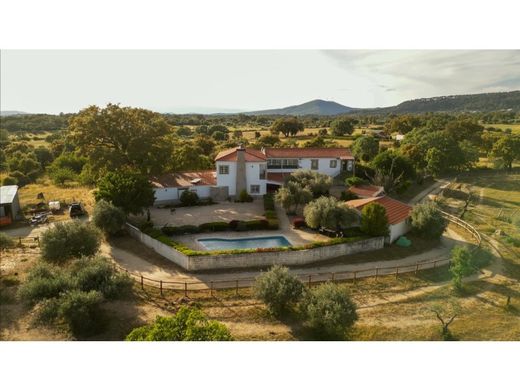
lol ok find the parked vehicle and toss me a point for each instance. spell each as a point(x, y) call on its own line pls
point(39, 218)
point(76, 210)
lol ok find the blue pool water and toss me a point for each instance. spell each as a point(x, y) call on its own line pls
point(243, 243)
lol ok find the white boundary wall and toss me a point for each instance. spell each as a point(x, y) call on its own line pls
point(255, 259)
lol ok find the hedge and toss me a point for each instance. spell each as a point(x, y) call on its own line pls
point(160, 236)
point(234, 225)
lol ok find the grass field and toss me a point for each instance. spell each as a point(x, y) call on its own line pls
point(515, 128)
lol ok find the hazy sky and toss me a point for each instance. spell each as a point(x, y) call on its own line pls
point(219, 81)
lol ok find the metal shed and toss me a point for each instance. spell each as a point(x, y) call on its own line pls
point(9, 205)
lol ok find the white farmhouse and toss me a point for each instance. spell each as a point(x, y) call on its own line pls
point(398, 214)
point(169, 187)
point(262, 171)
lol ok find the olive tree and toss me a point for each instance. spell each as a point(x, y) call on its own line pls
point(278, 289)
point(427, 221)
point(108, 218)
point(66, 240)
point(328, 212)
point(330, 310)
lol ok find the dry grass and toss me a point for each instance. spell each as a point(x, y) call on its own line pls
point(67, 194)
point(515, 128)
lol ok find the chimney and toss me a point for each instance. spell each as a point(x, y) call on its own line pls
point(241, 183)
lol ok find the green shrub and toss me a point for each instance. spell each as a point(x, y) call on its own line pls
point(348, 195)
point(43, 281)
point(108, 218)
point(21, 178)
point(257, 224)
point(81, 311)
point(189, 198)
point(97, 274)
point(269, 202)
point(329, 310)
point(60, 176)
point(244, 197)
point(461, 265)
point(427, 221)
point(374, 221)
point(278, 289)
point(9, 181)
point(219, 226)
point(354, 181)
point(270, 214)
point(189, 324)
point(6, 241)
point(241, 226)
point(64, 241)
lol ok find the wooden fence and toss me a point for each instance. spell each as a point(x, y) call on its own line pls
point(309, 278)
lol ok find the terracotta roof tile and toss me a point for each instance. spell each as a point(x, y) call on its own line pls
point(342, 153)
point(252, 155)
point(396, 211)
point(185, 179)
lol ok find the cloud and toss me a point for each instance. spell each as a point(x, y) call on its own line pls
point(434, 72)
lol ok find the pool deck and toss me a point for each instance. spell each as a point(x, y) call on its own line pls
point(296, 237)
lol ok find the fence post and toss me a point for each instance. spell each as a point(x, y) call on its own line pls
point(142, 283)
point(435, 264)
point(416, 267)
point(236, 287)
point(211, 288)
point(310, 278)
point(332, 277)
point(185, 289)
point(160, 287)
point(355, 276)
point(396, 272)
point(377, 272)
point(20, 241)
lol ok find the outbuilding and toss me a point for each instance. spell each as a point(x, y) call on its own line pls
point(398, 214)
point(169, 187)
point(10, 209)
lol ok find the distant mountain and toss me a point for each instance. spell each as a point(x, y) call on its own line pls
point(314, 107)
point(481, 102)
point(12, 113)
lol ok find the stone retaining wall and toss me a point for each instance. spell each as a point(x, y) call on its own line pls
point(256, 259)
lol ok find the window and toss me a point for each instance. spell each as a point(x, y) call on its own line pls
point(315, 164)
point(333, 163)
point(223, 169)
point(262, 171)
point(254, 189)
point(287, 163)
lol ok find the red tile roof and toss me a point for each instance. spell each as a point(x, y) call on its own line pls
point(184, 179)
point(395, 211)
point(342, 153)
point(252, 155)
point(366, 190)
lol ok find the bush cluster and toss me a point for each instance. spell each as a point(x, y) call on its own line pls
point(427, 221)
point(73, 294)
point(189, 198)
point(244, 197)
point(327, 309)
point(188, 324)
point(108, 218)
point(6, 241)
point(220, 226)
point(66, 240)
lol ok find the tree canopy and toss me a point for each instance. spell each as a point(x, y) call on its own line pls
point(117, 137)
point(287, 126)
point(365, 148)
point(132, 192)
point(329, 213)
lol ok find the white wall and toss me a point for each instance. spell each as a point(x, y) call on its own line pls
point(323, 165)
point(398, 230)
point(253, 177)
point(172, 194)
point(229, 180)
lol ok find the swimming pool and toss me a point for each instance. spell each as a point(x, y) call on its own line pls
point(243, 243)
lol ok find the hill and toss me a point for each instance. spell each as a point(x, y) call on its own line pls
point(12, 113)
point(482, 102)
point(314, 107)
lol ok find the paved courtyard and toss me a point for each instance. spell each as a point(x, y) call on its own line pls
point(228, 211)
point(222, 211)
